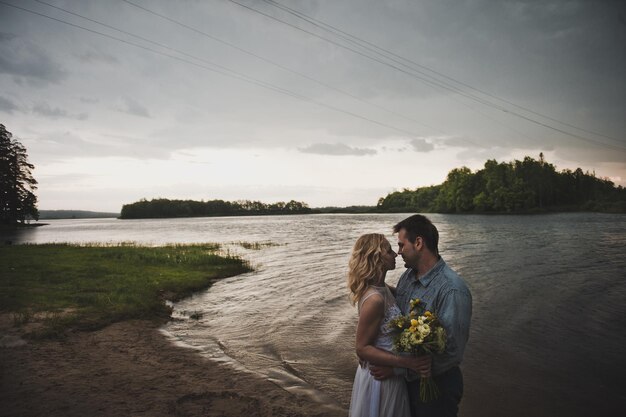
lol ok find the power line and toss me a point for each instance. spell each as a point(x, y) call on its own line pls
point(219, 68)
point(385, 54)
point(411, 72)
point(357, 40)
point(232, 73)
point(379, 51)
point(278, 65)
point(431, 82)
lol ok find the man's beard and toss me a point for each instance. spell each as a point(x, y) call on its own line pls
point(407, 265)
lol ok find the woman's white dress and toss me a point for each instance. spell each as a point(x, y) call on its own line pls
point(370, 397)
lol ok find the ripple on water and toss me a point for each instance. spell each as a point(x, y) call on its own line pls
point(548, 303)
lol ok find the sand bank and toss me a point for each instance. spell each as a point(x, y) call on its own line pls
point(131, 369)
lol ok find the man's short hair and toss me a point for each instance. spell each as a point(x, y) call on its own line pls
point(418, 225)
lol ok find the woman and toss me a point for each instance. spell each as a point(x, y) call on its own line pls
point(371, 258)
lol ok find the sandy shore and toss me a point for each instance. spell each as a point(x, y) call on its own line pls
point(131, 369)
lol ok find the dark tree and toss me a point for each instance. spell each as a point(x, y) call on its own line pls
point(17, 185)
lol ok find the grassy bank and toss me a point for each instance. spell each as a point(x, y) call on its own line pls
point(87, 287)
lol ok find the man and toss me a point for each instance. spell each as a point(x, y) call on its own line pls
point(443, 292)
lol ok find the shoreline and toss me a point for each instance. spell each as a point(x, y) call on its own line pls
point(131, 368)
point(81, 335)
point(113, 358)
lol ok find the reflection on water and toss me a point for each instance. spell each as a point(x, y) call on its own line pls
point(548, 302)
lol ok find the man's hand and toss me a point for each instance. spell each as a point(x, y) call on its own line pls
point(381, 372)
point(423, 365)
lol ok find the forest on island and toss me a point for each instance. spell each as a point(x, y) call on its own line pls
point(525, 186)
point(165, 208)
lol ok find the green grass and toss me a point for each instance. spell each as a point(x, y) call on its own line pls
point(255, 245)
point(88, 287)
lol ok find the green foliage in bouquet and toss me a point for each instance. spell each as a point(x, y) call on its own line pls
point(420, 333)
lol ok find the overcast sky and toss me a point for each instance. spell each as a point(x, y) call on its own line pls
point(231, 103)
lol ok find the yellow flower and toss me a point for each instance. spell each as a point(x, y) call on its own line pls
point(414, 322)
point(428, 313)
point(412, 329)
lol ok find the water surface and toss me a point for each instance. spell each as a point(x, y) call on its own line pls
point(547, 334)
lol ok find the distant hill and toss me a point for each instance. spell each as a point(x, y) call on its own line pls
point(74, 214)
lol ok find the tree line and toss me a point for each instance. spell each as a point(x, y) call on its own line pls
point(524, 186)
point(165, 208)
point(528, 185)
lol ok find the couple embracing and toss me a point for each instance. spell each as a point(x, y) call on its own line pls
point(387, 384)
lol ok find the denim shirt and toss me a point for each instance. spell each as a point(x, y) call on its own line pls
point(443, 292)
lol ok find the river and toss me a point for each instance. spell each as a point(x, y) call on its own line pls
point(549, 291)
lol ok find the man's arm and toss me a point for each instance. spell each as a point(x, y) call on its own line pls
point(455, 313)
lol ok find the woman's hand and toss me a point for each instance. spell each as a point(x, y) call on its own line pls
point(419, 364)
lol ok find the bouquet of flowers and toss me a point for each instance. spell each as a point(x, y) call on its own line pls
point(420, 333)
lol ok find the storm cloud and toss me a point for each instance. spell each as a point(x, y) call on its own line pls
point(44, 109)
point(421, 145)
point(132, 106)
point(336, 149)
point(7, 105)
point(454, 83)
point(23, 58)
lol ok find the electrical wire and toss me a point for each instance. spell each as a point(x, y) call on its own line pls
point(219, 69)
point(359, 40)
point(435, 83)
point(278, 65)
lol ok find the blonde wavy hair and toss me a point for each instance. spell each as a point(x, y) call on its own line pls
point(366, 264)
